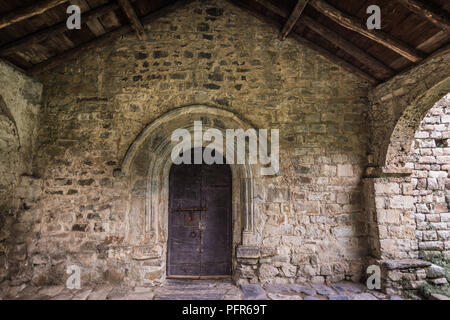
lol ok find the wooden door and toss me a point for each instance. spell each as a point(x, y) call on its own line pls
point(200, 241)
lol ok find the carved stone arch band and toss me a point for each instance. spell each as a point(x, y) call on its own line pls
point(147, 164)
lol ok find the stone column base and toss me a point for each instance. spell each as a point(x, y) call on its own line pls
point(247, 259)
point(398, 276)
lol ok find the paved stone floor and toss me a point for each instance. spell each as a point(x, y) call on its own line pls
point(197, 290)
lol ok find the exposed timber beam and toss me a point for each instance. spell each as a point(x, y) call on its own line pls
point(379, 36)
point(348, 47)
point(103, 39)
point(440, 19)
point(340, 62)
point(271, 7)
point(75, 52)
point(28, 12)
point(134, 19)
point(320, 50)
point(445, 49)
point(58, 28)
point(337, 40)
point(293, 18)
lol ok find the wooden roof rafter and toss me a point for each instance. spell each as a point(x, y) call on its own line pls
point(379, 36)
point(56, 29)
point(336, 29)
point(98, 41)
point(336, 40)
point(319, 49)
point(28, 12)
point(133, 18)
point(440, 19)
point(293, 18)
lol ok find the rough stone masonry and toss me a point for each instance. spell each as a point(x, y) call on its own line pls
point(75, 204)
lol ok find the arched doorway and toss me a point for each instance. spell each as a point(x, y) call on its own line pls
point(200, 221)
point(146, 170)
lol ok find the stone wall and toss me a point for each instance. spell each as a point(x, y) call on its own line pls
point(399, 105)
point(20, 99)
point(388, 204)
point(19, 106)
point(401, 276)
point(310, 223)
point(430, 161)
point(396, 109)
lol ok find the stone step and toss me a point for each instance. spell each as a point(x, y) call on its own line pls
point(437, 296)
point(189, 296)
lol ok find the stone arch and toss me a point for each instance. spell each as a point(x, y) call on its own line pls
point(9, 155)
point(6, 112)
point(398, 109)
point(403, 134)
point(146, 168)
point(429, 161)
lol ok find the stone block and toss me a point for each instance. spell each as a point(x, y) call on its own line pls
point(435, 271)
point(247, 252)
point(405, 264)
point(253, 292)
point(344, 170)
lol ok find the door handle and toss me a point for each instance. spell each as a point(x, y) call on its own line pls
point(193, 234)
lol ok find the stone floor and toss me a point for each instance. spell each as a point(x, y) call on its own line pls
point(197, 290)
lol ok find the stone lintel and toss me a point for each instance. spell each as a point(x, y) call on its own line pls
point(437, 296)
point(384, 172)
point(247, 252)
point(405, 264)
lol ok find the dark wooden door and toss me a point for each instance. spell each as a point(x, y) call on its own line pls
point(199, 221)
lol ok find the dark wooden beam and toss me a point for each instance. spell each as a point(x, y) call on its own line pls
point(293, 18)
point(379, 36)
point(77, 51)
point(134, 19)
point(320, 50)
point(335, 59)
point(28, 12)
point(271, 7)
point(41, 35)
point(445, 49)
point(429, 46)
point(348, 47)
point(440, 19)
point(102, 40)
point(337, 40)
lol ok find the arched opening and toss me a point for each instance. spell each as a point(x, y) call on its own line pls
point(399, 143)
point(200, 221)
point(429, 160)
point(146, 168)
point(9, 156)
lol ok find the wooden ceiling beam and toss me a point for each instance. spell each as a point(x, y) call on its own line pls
point(99, 41)
point(133, 18)
point(271, 7)
point(445, 49)
point(348, 47)
point(337, 40)
point(335, 59)
point(293, 18)
point(355, 25)
point(441, 20)
point(28, 12)
point(320, 50)
point(56, 29)
point(81, 49)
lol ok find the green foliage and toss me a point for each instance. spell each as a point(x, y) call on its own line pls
point(426, 290)
point(442, 261)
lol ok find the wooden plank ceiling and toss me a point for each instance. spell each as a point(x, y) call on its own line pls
point(34, 37)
